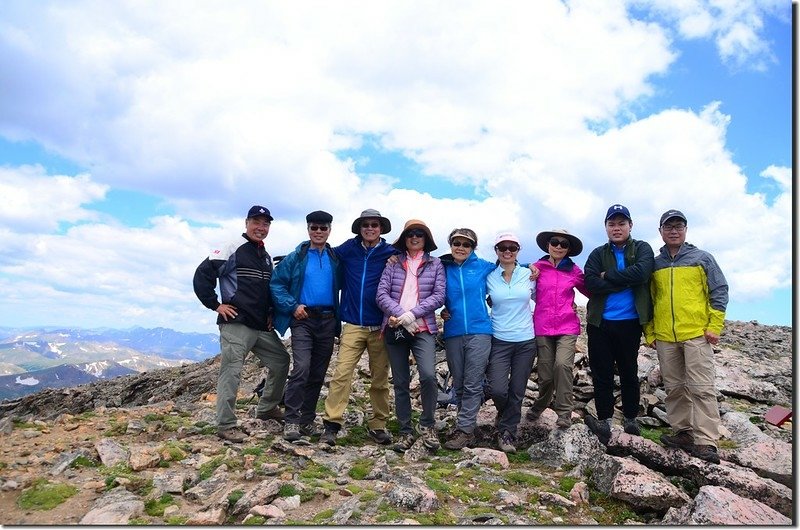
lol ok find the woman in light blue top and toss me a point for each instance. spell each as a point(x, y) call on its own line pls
point(513, 345)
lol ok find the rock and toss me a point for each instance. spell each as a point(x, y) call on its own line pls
point(172, 481)
point(768, 458)
point(267, 511)
point(554, 498)
point(142, 456)
point(66, 459)
point(110, 452)
point(116, 507)
point(171, 511)
point(287, 503)
point(343, 513)
point(211, 516)
point(261, 494)
point(211, 487)
point(718, 506)
point(628, 480)
point(509, 498)
point(579, 494)
point(6, 425)
point(485, 456)
point(575, 445)
point(412, 493)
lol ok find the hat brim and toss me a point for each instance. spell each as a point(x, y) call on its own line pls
point(575, 244)
point(430, 245)
point(386, 225)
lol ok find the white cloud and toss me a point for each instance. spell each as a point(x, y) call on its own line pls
point(735, 25)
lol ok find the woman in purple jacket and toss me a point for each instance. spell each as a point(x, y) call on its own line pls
point(555, 322)
point(409, 292)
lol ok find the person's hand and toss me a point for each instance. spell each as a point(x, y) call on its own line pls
point(711, 337)
point(412, 328)
point(270, 325)
point(300, 312)
point(406, 318)
point(394, 258)
point(393, 322)
point(651, 344)
point(534, 272)
point(445, 314)
point(227, 311)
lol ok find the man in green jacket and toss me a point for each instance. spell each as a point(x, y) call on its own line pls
point(617, 276)
point(305, 292)
point(690, 295)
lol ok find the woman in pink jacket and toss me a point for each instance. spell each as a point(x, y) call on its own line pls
point(556, 323)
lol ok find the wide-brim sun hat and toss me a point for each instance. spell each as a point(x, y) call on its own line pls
point(370, 213)
point(400, 243)
point(575, 244)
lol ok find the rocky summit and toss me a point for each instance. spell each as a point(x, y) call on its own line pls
point(141, 449)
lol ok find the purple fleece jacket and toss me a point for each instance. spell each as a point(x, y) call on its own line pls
point(431, 285)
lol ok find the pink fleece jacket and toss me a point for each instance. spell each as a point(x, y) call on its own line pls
point(555, 296)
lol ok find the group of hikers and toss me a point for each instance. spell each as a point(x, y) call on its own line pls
point(382, 298)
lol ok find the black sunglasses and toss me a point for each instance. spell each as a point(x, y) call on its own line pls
point(370, 225)
point(465, 244)
point(416, 232)
point(318, 228)
point(563, 243)
point(507, 248)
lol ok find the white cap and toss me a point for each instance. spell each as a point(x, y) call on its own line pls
point(506, 236)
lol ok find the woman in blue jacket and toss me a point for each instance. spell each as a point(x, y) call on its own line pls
point(467, 331)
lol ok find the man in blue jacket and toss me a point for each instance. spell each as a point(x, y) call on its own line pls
point(244, 269)
point(305, 291)
point(363, 259)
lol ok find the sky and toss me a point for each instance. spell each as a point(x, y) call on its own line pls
point(134, 136)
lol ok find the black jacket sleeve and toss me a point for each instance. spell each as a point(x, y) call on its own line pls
point(205, 282)
point(638, 272)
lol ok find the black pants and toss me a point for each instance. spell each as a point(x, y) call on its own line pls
point(615, 341)
point(312, 347)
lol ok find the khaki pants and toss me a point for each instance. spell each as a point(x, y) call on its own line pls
point(556, 359)
point(235, 341)
point(687, 369)
point(354, 340)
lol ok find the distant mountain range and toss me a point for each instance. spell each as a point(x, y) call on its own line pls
point(31, 360)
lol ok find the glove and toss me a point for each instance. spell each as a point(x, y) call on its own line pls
point(406, 318)
point(412, 328)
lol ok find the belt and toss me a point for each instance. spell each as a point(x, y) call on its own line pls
point(320, 311)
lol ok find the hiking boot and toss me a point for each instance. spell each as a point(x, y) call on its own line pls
point(564, 421)
point(309, 430)
point(291, 432)
point(234, 434)
point(275, 413)
point(403, 443)
point(601, 428)
point(328, 437)
point(682, 440)
point(429, 438)
point(506, 443)
point(460, 440)
point(380, 436)
point(706, 452)
point(631, 426)
point(533, 414)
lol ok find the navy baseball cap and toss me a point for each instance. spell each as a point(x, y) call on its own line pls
point(618, 209)
point(259, 211)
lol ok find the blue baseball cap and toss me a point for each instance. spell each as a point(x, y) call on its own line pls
point(259, 211)
point(618, 209)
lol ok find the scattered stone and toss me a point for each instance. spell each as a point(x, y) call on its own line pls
point(628, 480)
point(110, 452)
point(63, 462)
point(267, 511)
point(555, 498)
point(718, 506)
point(142, 457)
point(116, 507)
point(579, 494)
point(486, 456)
point(212, 516)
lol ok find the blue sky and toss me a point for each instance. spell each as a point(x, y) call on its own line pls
point(130, 146)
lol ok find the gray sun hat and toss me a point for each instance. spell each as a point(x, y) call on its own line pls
point(370, 213)
point(575, 244)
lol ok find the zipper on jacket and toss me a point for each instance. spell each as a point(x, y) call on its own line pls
point(361, 292)
point(463, 296)
point(672, 297)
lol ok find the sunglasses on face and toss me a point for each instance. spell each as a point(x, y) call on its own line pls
point(318, 228)
point(465, 244)
point(507, 248)
point(416, 232)
point(370, 225)
point(555, 242)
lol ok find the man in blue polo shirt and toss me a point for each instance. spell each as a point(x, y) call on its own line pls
point(305, 292)
point(617, 274)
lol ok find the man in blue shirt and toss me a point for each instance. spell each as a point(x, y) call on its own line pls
point(363, 259)
point(617, 274)
point(305, 292)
